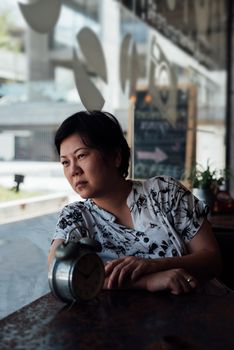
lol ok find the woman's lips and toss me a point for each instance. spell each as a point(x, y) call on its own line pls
point(81, 184)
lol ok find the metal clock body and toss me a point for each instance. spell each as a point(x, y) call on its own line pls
point(77, 272)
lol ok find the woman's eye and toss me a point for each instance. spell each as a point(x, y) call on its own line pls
point(81, 156)
point(64, 163)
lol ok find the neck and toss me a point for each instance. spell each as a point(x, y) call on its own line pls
point(115, 202)
point(116, 197)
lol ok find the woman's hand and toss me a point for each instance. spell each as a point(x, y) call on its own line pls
point(127, 268)
point(177, 281)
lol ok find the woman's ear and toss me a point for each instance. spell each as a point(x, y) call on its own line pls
point(118, 159)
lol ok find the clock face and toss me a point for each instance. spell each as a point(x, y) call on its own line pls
point(88, 276)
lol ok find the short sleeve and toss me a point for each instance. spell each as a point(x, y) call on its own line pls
point(71, 217)
point(185, 212)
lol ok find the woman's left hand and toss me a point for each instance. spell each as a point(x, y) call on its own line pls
point(131, 267)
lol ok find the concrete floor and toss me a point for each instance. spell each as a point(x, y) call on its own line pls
point(24, 248)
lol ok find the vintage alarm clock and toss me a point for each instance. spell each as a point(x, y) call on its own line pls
point(77, 272)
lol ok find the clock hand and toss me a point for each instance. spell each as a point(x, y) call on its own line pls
point(90, 272)
point(87, 274)
point(84, 274)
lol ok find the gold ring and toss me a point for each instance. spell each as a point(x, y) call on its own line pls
point(189, 279)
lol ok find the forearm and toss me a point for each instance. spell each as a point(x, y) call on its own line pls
point(204, 264)
point(141, 283)
point(52, 250)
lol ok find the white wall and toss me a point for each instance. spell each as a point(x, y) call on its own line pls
point(7, 145)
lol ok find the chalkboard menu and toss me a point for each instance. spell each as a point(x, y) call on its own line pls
point(161, 147)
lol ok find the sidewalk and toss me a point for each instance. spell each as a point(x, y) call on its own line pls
point(24, 247)
point(24, 244)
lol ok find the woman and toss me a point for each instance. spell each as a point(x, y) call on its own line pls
point(154, 234)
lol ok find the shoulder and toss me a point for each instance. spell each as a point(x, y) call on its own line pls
point(159, 184)
point(71, 208)
point(72, 213)
point(168, 192)
point(163, 183)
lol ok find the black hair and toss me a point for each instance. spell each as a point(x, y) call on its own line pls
point(100, 130)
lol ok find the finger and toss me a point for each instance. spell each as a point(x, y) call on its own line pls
point(192, 282)
point(187, 283)
point(179, 283)
point(110, 265)
point(121, 271)
point(140, 270)
point(143, 267)
point(114, 276)
point(105, 283)
point(177, 287)
point(126, 270)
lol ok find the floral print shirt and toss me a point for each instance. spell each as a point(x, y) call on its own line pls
point(165, 216)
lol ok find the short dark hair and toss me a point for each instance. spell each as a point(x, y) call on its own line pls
point(100, 130)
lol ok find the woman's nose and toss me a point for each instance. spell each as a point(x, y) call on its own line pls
point(75, 169)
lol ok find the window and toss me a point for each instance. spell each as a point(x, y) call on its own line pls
point(159, 66)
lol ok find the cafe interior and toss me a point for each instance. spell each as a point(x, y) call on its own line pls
point(164, 68)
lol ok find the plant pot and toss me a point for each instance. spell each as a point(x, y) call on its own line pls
point(205, 195)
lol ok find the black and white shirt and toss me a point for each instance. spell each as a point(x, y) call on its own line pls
point(165, 216)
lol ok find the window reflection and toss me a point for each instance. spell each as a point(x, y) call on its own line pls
point(162, 49)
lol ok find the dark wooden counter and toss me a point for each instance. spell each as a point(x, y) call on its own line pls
point(123, 320)
point(223, 222)
point(223, 227)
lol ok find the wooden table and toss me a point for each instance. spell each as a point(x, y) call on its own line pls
point(124, 320)
point(223, 222)
point(223, 227)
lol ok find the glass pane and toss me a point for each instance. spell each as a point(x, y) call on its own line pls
point(181, 86)
point(159, 66)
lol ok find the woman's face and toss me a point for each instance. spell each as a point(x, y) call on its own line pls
point(87, 171)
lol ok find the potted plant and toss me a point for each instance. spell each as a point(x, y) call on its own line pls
point(205, 182)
